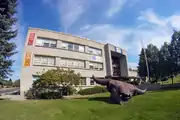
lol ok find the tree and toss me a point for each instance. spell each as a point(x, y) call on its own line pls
point(17, 83)
point(174, 49)
point(57, 77)
point(152, 54)
point(175, 52)
point(10, 83)
point(153, 61)
point(164, 58)
point(7, 47)
point(142, 71)
point(54, 83)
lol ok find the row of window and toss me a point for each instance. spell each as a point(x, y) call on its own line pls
point(44, 60)
point(43, 42)
point(64, 62)
point(46, 43)
point(72, 63)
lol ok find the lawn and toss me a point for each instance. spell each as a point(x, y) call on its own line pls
point(159, 105)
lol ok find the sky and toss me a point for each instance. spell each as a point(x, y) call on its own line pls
point(123, 23)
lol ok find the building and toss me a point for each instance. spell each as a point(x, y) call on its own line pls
point(133, 72)
point(46, 49)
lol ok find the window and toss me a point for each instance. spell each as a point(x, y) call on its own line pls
point(35, 77)
point(83, 81)
point(72, 63)
point(91, 82)
point(76, 47)
point(73, 47)
point(37, 60)
point(63, 62)
point(90, 50)
point(70, 46)
point(81, 64)
point(64, 45)
point(44, 60)
point(94, 51)
point(81, 48)
point(45, 42)
point(95, 66)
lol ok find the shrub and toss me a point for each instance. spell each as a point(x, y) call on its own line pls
point(29, 94)
point(53, 84)
point(94, 90)
point(49, 93)
point(68, 90)
point(44, 93)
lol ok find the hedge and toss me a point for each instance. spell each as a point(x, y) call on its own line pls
point(93, 90)
point(49, 93)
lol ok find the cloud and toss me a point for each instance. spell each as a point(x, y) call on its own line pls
point(152, 28)
point(70, 11)
point(149, 16)
point(115, 7)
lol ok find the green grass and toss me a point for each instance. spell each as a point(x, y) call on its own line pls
point(159, 105)
point(169, 81)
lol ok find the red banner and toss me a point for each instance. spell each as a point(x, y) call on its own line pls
point(31, 38)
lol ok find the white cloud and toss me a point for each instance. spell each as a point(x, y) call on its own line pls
point(115, 7)
point(153, 29)
point(149, 16)
point(70, 11)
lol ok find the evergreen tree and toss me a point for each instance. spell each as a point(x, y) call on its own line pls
point(142, 71)
point(153, 61)
point(7, 47)
point(175, 52)
point(164, 58)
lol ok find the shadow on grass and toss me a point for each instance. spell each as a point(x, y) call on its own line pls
point(102, 99)
point(105, 99)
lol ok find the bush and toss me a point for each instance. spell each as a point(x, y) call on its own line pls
point(94, 90)
point(44, 93)
point(49, 93)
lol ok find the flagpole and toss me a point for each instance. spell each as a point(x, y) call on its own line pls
point(147, 67)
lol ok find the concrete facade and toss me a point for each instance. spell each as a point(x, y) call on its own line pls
point(46, 49)
point(133, 72)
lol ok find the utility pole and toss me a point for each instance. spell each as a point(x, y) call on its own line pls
point(147, 67)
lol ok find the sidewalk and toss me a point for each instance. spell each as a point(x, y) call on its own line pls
point(12, 97)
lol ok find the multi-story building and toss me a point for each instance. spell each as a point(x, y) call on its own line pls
point(46, 49)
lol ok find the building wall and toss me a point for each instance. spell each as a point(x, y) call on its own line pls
point(108, 59)
point(133, 73)
point(123, 59)
point(30, 69)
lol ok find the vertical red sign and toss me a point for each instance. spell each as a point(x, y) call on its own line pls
point(31, 38)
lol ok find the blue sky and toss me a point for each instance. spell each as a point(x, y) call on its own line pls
point(119, 22)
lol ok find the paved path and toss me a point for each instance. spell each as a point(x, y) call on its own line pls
point(8, 90)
